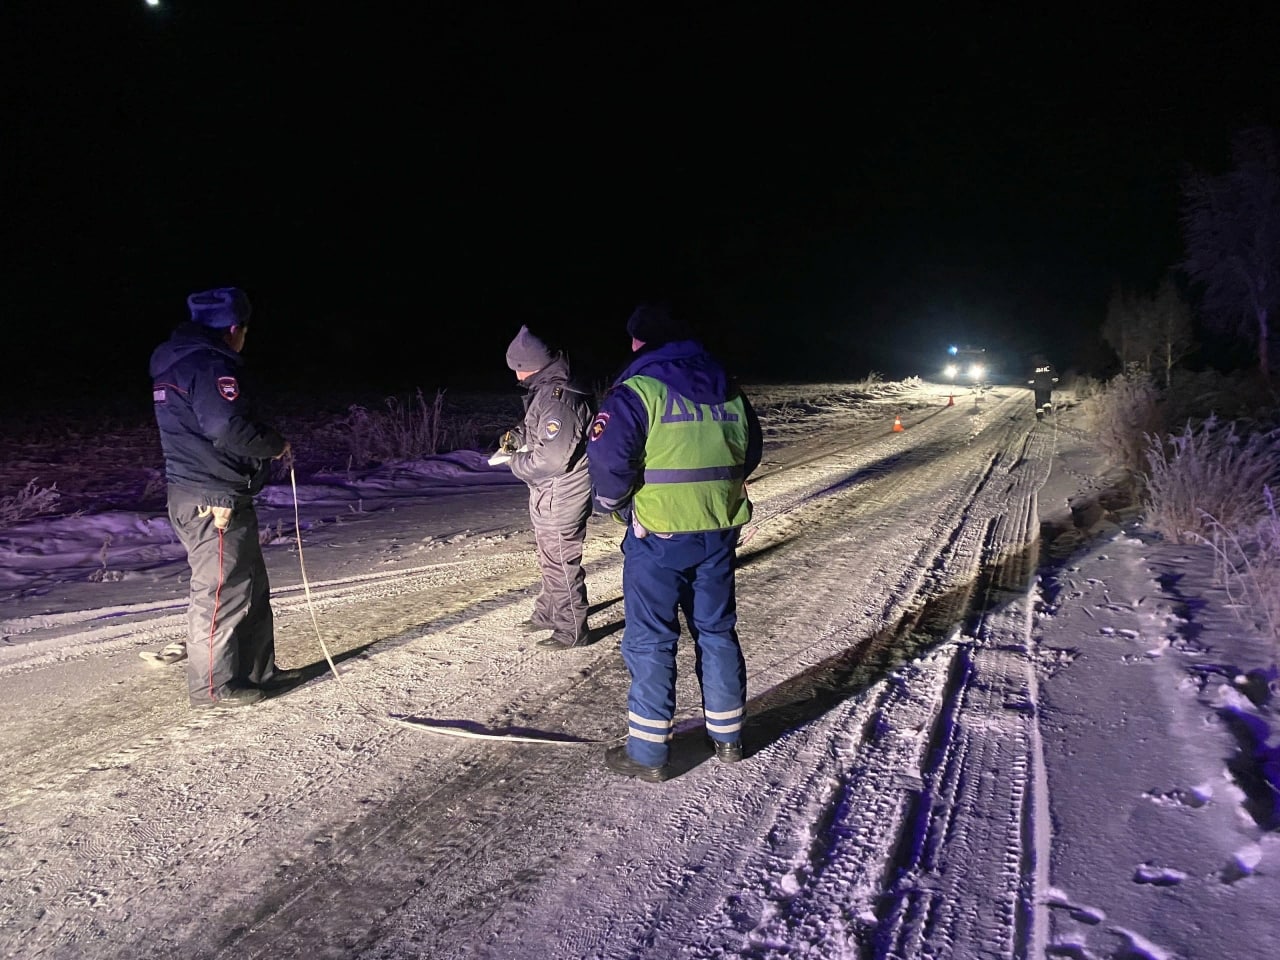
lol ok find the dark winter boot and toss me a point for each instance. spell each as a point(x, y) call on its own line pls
point(618, 760)
point(280, 679)
point(560, 641)
point(239, 697)
point(727, 752)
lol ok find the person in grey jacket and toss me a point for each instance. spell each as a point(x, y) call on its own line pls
point(216, 457)
point(548, 452)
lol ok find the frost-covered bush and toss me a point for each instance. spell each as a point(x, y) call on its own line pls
point(30, 501)
point(1214, 484)
point(1208, 476)
point(404, 430)
point(1122, 413)
point(1085, 387)
point(1248, 565)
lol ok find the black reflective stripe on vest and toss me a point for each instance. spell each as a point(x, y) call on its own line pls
point(693, 475)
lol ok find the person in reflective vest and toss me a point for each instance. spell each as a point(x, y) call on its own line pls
point(669, 454)
point(1043, 377)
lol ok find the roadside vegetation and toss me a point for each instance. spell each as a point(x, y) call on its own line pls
point(1202, 449)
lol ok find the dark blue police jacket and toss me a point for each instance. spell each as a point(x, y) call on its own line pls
point(214, 445)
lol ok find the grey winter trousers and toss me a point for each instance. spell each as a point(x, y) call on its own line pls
point(559, 510)
point(230, 628)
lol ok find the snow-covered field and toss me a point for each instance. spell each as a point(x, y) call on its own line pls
point(990, 716)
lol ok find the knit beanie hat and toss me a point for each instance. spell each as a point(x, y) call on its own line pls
point(527, 354)
point(219, 308)
point(652, 323)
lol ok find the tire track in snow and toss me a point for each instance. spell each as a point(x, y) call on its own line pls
point(832, 911)
point(950, 896)
point(131, 709)
point(454, 584)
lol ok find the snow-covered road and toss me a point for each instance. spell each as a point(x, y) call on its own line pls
point(892, 802)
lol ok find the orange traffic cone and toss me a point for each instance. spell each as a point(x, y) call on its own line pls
point(897, 424)
point(951, 400)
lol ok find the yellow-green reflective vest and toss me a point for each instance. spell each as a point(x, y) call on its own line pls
point(693, 466)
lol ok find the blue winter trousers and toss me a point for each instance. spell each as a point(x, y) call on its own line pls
point(661, 576)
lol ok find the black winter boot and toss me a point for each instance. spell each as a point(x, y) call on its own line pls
point(280, 679)
point(727, 752)
point(619, 761)
point(239, 697)
point(560, 641)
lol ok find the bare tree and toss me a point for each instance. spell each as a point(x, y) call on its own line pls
point(1231, 227)
point(1171, 315)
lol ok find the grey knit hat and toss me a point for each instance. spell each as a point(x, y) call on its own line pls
point(527, 353)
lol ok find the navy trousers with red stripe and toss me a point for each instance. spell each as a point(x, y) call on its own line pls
point(230, 628)
point(693, 572)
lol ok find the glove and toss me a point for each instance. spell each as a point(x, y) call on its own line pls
point(221, 516)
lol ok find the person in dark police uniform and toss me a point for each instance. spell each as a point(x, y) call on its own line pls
point(216, 455)
point(547, 450)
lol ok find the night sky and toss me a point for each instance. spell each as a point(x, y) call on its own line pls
point(398, 188)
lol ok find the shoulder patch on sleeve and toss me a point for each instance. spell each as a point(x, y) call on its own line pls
point(598, 424)
point(228, 388)
point(552, 428)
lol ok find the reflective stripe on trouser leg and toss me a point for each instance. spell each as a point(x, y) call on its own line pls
point(713, 613)
point(649, 650)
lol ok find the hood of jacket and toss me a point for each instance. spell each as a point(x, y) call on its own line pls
point(686, 367)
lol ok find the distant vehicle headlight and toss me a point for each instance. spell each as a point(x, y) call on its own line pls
point(951, 370)
point(976, 371)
